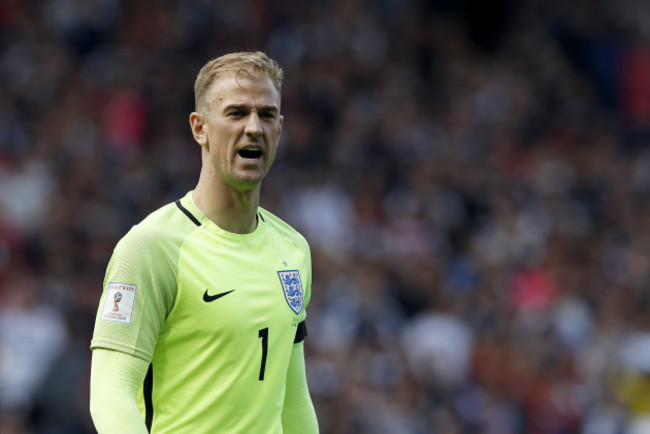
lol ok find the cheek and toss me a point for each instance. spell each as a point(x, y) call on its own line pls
point(276, 143)
point(276, 133)
point(217, 154)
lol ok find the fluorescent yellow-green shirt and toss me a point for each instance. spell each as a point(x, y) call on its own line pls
point(216, 313)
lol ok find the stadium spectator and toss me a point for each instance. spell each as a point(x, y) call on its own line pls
point(484, 165)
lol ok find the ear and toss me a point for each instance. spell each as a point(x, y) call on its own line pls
point(198, 128)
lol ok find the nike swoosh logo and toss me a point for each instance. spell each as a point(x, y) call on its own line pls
point(208, 298)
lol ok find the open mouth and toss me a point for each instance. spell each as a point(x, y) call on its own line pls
point(251, 154)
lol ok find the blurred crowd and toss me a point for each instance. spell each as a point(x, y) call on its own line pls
point(473, 177)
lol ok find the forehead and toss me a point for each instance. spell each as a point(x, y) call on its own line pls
point(230, 89)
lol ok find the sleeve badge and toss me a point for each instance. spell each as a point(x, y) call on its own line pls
point(118, 306)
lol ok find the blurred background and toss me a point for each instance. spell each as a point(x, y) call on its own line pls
point(473, 177)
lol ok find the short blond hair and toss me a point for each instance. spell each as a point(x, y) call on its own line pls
point(254, 64)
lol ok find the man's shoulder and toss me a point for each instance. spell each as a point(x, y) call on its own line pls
point(282, 228)
point(163, 225)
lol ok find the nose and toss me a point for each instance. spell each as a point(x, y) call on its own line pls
point(253, 126)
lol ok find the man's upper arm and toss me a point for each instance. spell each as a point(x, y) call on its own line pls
point(298, 413)
point(131, 313)
point(138, 293)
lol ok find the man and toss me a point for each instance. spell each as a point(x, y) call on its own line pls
point(201, 323)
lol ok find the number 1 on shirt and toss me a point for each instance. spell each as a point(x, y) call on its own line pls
point(264, 334)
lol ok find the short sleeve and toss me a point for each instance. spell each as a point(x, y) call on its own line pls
point(139, 291)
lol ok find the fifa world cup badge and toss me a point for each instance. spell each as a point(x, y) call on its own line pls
point(116, 299)
point(119, 302)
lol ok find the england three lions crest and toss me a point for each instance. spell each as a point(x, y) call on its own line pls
point(292, 287)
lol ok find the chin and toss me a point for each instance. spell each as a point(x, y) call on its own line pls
point(247, 181)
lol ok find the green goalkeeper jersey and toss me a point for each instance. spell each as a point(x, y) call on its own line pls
point(217, 314)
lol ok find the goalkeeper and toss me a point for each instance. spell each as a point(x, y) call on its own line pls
point(201, 322)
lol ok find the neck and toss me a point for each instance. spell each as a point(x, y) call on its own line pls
point(229, 209)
